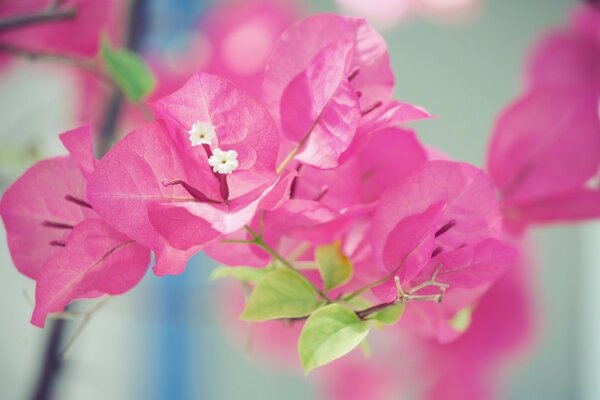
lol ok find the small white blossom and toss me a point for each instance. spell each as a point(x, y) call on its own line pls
point(202, 133)
point(223, 162)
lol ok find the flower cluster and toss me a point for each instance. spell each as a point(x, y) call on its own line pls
point(316, 195)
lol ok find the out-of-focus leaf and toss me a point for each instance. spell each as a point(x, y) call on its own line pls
point(334, 266)
point(128, 71)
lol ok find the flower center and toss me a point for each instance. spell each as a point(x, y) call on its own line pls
point(223, 162)
point(202, 133)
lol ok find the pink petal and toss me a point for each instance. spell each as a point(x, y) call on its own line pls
point(129, 177)
point(537, 137)
point(80, 144)
point(192, 224)
point(408, 246)
point(471, 266)
point(565, 59)
point(370, 166)
point(302, 41)
point(241, 124)
point(469, 213)
point(394, 113)
point(320, 108)
point(96, 260)
point(37, 198)
point(576, 205)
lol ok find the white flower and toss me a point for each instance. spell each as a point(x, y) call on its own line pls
point(202, 133)
point(223, 162)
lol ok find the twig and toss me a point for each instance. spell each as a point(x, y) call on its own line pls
point(133, 39)
point(86, 317)
point(50, 14)
point(84, 63)
point(404, 297)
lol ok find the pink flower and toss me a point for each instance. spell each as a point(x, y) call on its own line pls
point(163, 184)
point(442, 221)
point(543, 155)
point(329, 78)
point(56, 238)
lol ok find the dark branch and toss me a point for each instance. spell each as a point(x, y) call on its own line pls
point(49, 15)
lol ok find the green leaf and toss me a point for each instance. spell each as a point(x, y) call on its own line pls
point(462, 319)
point(243, 274)
point(128, 71)
point(328, 334)
point(389, 315)
point(334, 266)
point(282, 293)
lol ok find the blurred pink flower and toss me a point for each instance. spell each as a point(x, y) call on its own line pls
point(544, 154)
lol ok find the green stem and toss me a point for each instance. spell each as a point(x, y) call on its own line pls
point(258, 241)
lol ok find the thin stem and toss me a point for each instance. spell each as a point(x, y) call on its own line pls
point(258, 241)
point(261, 222)
point(237, 241)
point(86, 317)
point(50, 14)
point(52, 362)
point(363, 314)
point(80, 62)
point(404, 297)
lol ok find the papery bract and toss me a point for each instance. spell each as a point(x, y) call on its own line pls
point(319, 108)
point(241, 124)
point(158, 188)
point(534, 159)
point(301, 43)
point(131, 175)
point(454, 201)
point(543, 155)
point(36, 199)
point(96, 260)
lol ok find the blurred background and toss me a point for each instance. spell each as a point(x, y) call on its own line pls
point(163, 339)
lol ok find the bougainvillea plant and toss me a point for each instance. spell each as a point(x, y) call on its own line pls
point(316, 196)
